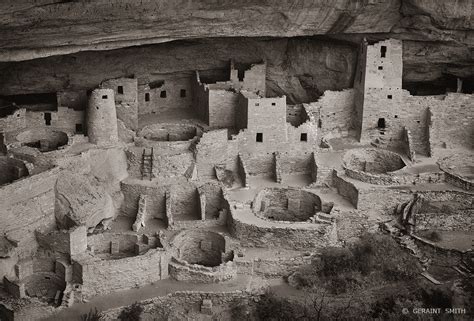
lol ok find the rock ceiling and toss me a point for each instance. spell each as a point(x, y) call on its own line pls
point(439, 35)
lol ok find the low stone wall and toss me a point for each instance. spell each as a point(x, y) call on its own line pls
point(71, 241)
point(99, 276)
point(192, 300)
point(296, 235)
point(272, 267)
point(395, 178)
point(295, 163)
point(439, 255)
point(459, 221)
point(181, 270)
point(346, 189)
point(382, 199)
point(200, 224)
point(458, 181)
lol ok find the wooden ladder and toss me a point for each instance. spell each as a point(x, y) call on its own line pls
point(147, 163)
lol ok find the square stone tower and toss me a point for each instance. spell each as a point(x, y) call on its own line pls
point(378, 90)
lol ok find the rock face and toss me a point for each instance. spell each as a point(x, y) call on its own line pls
point(35, 28)
point(81, 201)
point(438, 40)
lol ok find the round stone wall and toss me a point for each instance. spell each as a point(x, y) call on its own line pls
point(286, 204)
point(168, 132)
point(200, 247)
point(45, 140)
point(373, 161)
point(44, 285)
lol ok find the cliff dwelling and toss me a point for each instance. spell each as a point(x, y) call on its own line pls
point(251, 162)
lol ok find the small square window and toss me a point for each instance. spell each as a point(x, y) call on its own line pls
point(396, 116)
point(380, 68)
point(259, 137)
point(104, 97)
point(120, 90)
point(273, 104)
point(163, 94)
point(79, 128)
point(389, 96)
point(257, 104)
point(418, 121)
point(147, 96)
point(304, 137)
point(182, 93)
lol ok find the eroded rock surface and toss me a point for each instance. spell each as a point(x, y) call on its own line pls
point(80, 200)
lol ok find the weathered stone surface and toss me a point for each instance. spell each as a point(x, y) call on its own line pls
point(82, 25)
point(80, 200)
point(438, 40)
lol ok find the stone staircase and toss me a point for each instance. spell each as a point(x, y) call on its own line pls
point(147, 163)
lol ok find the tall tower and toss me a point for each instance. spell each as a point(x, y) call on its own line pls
point(378, 89)
point(102, 117)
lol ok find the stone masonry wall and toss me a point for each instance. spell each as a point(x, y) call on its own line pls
point(222, 108)
point(452, 120)
point(106, 276)
point(155, 199)
point(179, 94)
point(334, 111)
point(126, 99)
point(211, 150)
